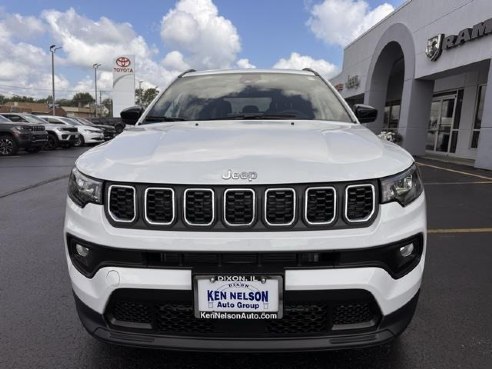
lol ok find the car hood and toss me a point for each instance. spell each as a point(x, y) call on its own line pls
point(277, 151)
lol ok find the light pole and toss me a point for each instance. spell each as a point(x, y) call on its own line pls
point(95, 66)
point(53, 49)
point(140, 92)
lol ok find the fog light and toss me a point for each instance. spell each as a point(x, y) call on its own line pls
point(82, 250)
point(405, 251)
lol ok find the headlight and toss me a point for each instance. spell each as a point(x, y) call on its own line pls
point(82, 189)
point(403, 187)
point(22, 129)
point(59, 129)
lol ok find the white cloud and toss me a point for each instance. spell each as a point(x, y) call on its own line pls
point(244, 64)
point(205, 39)
point(339, 22)
point(297, 61)
point(86, 41)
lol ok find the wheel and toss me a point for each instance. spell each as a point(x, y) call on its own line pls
point(52, 142)
point(79, 141)
point(34, 149)
point(8, 146)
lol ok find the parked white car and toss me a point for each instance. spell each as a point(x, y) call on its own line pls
point(87, 135)
point(246, 210)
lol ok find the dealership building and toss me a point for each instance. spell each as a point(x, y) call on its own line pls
point(426, 68)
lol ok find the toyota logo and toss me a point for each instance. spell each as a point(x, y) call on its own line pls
point(123, 61)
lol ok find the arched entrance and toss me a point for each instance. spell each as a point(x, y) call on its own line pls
point(392, 89)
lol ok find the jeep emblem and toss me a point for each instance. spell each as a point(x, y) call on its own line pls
point(230, 174)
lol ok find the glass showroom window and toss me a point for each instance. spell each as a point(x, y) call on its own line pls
point(391, 116)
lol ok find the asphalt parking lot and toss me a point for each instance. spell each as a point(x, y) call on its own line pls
point(39, 327)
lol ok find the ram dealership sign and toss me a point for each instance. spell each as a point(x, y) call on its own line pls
point(440, 42)
point(123, 83)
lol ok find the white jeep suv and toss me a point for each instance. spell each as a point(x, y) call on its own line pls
point(247, 210)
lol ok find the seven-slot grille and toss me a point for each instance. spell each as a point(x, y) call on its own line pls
point(259, 207)
point(360, 202)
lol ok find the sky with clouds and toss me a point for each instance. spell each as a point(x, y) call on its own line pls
point(168, 37)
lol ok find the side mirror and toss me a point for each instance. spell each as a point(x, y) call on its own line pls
point(131, 115)
point(365, 113)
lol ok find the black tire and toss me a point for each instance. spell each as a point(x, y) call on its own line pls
point(8, 146)
point(79, 142)
point(52, 143)
point(34, 150)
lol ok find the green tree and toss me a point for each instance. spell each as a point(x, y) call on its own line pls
point(82, 99)
point(145, 97)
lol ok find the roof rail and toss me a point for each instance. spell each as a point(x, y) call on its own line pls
point(186, 71)
point(312, 71)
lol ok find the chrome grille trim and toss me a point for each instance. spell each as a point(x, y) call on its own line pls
point(213, 207)
point(173, 206)
point(116, 219)
point(265, 215)
point(306, 193)
point(225, 206)
point(345, 213)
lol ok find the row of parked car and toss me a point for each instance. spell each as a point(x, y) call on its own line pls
point(34, 133)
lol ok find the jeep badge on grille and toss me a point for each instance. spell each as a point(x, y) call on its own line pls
point(230, 174)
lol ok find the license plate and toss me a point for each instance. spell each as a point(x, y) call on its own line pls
point(238, 297)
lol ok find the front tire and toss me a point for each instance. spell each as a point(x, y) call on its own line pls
point(52, 143)
point(8, 146)
point(79, 142)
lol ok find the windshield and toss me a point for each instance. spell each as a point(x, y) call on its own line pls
point(71, 121)
point(248, 96)
point(34, 119)
point(4, 120)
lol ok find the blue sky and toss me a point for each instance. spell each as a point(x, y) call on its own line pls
point(169, 36)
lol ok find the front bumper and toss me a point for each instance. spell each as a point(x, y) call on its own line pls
point(388, 328)
point(93, 137)
point(31, 139)
point(395, 298)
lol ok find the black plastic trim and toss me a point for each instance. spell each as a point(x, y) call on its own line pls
point(389, 328)
point(384, 257)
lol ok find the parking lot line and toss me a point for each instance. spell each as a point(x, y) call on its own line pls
point(455, 171)
point(456, 183)
point(459, 230)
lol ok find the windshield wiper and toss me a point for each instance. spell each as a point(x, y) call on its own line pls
point(164, 119)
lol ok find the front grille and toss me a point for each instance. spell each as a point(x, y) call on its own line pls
point(122, 201)
point(356, 313)
point(255, 208)
point(69, 129)
point(280, 206)
point(359, 203)
point(305, 313)
point(239, 207)
point(159, 205)
point(320, 205)
point(38, 128)
point(199, 207)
